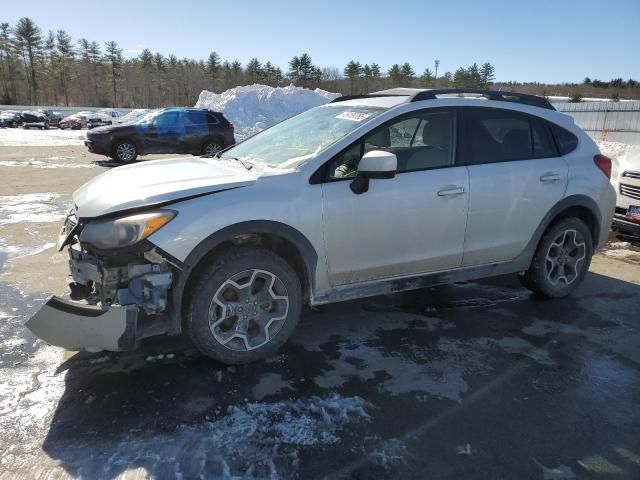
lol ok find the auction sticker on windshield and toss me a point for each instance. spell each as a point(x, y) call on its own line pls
point(354, 116)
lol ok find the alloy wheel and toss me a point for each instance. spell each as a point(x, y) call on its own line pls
point(248, 310)
point(564, 257)
point(211, 149)
point(125, 152)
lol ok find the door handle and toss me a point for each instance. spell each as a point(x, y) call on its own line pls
point(450, 191)
point(550, 178)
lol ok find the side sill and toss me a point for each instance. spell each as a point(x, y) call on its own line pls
point(414, 282)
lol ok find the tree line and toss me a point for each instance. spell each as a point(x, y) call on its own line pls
point(51, 68)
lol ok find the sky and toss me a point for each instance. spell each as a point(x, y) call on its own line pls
point(538, 40)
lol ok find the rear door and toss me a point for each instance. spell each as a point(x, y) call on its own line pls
point(196, 130)
point(516, 176)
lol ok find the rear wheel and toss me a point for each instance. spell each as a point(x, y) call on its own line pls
point(562, 259)
point(244, 306)
point(210, 148)
point(125, 151)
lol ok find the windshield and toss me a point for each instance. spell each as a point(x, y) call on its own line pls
point(303, 135)
point(145, 119)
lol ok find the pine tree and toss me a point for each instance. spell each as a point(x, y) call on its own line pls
point(253, 71)
point(29, 42)
point(115, 60)
point(395, 75)
point(352, 71)
point(487, 74)
point(213, 69)
point(426, 79)
point(8, 70)
point(66, 54)
point(146, 64)
point(407, 73)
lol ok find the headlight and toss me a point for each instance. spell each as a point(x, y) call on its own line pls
point(125, 231)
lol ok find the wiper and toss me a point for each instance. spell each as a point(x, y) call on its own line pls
point(246, 165)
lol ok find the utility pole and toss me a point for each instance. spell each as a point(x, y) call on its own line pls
point(435, 76)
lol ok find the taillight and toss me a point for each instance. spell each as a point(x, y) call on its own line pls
point(603, 163)
point(230, 125)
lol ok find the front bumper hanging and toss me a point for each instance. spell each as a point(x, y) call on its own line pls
point(78, 327)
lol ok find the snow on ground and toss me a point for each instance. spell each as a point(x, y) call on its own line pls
point(31, 207)
point(253, 108)
point(16, 137)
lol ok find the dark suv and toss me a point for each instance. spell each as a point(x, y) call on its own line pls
point(171, 130)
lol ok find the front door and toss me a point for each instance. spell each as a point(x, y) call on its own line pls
point(165, 134)
point(409, 224)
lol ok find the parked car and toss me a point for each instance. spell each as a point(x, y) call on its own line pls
point(53, 117)
point(73, 122)
point(35, 119)
point(106, 116)
point(366, 195)
point(626, 180)
point(10, 119)
point(170, 130)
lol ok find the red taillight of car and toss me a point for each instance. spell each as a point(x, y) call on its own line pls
point(229, 125)
point(603, 163)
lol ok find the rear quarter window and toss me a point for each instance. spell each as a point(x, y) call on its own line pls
point(566, 141)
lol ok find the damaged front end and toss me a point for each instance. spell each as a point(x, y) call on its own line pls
point(120, 293)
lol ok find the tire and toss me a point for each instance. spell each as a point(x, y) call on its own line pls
point(216, 322)
point(124, 151)
point(210, 148)
point(562, 259)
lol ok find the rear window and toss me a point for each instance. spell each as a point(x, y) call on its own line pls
point(566, 141)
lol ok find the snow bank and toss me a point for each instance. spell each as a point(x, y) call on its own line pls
point(253, 108)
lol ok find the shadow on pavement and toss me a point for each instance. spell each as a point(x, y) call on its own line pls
point(475, 380)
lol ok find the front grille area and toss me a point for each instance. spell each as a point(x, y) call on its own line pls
point(631, 191)
point(631, 175)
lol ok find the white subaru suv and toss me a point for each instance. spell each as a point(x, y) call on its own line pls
point(366, 195)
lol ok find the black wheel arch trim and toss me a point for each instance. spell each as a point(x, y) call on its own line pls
point(564, 204)
point(304, 247)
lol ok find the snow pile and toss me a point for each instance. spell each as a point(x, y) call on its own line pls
point(253, 108)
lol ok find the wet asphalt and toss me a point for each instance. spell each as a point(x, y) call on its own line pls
point(474, 380)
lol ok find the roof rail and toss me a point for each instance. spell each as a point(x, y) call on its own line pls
point(513, 97)
point(344, 98)
point(416, 95)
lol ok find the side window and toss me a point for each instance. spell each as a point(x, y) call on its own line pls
point(211, 119)
point(168, 121)
point(420, 141)
point(543, 146)
point(566, 141)
point(195, 120)
point(497, 136)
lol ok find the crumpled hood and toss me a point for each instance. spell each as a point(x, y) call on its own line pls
point(154, 182)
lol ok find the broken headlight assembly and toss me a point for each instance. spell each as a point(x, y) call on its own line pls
point(124, 231)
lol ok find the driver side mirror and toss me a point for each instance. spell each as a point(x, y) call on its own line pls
point(376, 164)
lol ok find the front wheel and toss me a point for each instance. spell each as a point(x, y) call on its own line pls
point(244, 306)
point(562, 259)
point(125, 151)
